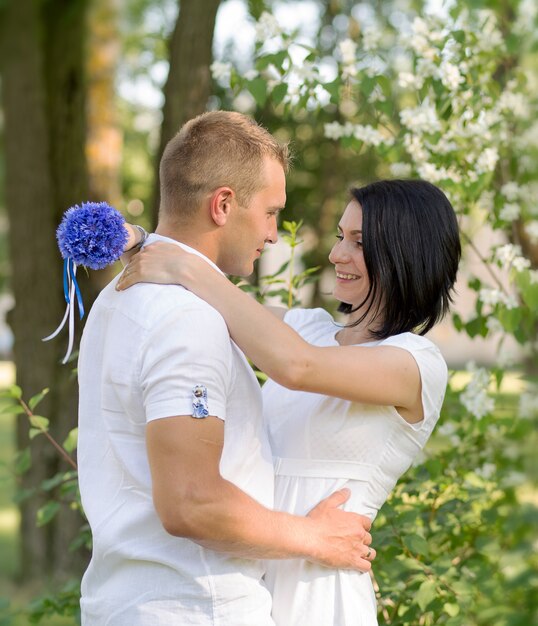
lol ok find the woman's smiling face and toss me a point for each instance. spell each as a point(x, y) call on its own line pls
point(352, 282)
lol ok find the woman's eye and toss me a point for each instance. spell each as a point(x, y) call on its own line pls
point(339, 237)
point(359, 243)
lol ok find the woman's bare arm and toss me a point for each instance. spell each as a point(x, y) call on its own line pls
point(382, 375)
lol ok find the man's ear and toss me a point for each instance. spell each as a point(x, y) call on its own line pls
point(221, 204)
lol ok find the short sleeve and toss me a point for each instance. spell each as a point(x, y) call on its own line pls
point(187, 351)
point(433, 375)
point(300, 319)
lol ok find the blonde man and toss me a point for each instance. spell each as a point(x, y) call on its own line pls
point(176, 473)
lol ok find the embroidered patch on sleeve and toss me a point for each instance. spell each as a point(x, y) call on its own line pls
point(199, 401)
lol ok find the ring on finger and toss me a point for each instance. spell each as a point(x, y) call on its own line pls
point(369, 553)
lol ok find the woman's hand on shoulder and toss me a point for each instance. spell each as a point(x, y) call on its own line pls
point(159, 262)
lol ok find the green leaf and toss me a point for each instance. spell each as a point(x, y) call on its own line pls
point(23, 461)
point(34, 432)
point(510, 318)
point(71, 440)
point(278, 93)
point(451, 609)
point(334, 90)
point(47, 512)
point(416, 544)
point(258, 89)
point(40, 422)
point(15, 391)
point(426, 593)
point(35, 400)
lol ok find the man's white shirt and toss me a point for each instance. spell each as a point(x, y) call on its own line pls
point(152, 352)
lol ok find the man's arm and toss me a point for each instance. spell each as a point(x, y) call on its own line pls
point(194, 501)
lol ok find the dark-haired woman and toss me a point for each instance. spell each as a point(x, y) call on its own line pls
point(346, 406)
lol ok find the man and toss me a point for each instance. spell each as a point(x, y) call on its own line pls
point(176, 475)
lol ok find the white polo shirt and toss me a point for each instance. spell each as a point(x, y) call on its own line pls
point(152, 352)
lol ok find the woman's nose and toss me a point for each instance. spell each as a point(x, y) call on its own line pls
point(338, 253)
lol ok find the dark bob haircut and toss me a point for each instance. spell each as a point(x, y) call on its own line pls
point(411, 249)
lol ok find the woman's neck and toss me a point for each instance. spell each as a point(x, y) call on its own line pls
point(359, 333)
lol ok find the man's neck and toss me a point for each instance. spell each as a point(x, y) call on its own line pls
point(198, 241)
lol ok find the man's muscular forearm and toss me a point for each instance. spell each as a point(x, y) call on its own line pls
point(222, 517)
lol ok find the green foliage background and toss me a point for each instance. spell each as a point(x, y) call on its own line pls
point(456, 540)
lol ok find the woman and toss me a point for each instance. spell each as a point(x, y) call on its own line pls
point(346, 405)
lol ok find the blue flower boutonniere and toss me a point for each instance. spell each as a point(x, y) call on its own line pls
point(91, 235)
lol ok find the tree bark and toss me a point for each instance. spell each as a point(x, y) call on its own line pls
point(188, 86)
point(105, 139)
point(43, 101)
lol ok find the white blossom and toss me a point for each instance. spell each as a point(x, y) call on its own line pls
point(267, 27)
point(307, 72)
point(431, 173)
point(348, 51)
point(487, 161)
point(514, 103)
point(421, 119)
point(371, 37)
point(526, 18)
point(531, 228)
point(244, 102)
point(510, 302)
point(426, 68)
point(370, 136)
point(475, 397)
point(510, 212)
point(377, 95)
point(446, 429)
point(442, 146)
point(514, 479)
point(333, 130)
point(494, 325)
point(221, 71)
point(506, 254)
point(490, 296)
point(450, 76)
point(533, 274)
point(349, 71)
point(491, 37)
point(250, 74)
point(506, 358)
point(521, 263)
point(408, 80)
point(486, 471)
point(415, 148)
point(400, 170)
point(528, 404)
point(511, 191)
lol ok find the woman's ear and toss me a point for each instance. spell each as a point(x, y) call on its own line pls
point(221, 205)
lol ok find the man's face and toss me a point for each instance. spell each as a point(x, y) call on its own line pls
point(251, 227)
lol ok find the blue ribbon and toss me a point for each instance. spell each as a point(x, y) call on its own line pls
point(69, 270)
point(71, 292)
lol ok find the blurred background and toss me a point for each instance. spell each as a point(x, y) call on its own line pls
point(91, 91)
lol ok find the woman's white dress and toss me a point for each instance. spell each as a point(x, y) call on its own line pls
point(321, 444)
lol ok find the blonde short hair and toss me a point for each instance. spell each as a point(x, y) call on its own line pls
point(215, 149)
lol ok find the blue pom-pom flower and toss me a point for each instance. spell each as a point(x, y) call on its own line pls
point(92, 235)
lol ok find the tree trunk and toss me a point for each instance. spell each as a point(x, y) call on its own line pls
point(43, 101)
point(105, 139)
point(188, 86)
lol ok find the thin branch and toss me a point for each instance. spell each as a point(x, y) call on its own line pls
point(58, 447)
point(486, 264)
